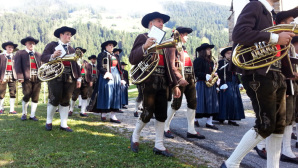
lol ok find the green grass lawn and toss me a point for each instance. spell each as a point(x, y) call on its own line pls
point(28, 144)
point(134, 93)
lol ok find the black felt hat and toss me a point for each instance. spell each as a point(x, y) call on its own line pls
point(103, 45)
point(294, 39)
point(82, 49)
point(9, 43)
point(64, 29)
point(29, 38)
point(223, 52)
point(123, 63)
point(150, 16)
point(117, 49)
point(181, 29)
point(92, 57)
point(286, 14)
point(204, 46)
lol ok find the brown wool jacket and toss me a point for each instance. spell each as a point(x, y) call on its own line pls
point(137, 55)
point(254, 18)
point(50, 49)
point(23, 65)
point(88, 71)
point(3, 64)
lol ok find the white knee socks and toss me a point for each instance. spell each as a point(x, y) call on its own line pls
point(273, 148)
point(63, 115)
point(11, 102)
point(170, 115)
point(33, 109)
point(190, 115)
point(50, 113)
point(250, 139)
point(159, 127)
point(24, 107)
point(286, 142)
point(137, 131)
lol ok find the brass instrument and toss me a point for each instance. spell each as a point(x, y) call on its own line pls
point(146, 67)
point(55, 68)
point(262, 54)
point(214, 78)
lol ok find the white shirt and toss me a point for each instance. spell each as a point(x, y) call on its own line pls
point(28, 51)
point(273, 37)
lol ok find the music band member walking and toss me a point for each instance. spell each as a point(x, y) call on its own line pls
point(124, 88)
point(28, 62)
point(61, 88)
point(156, 87)
point(86, 83)
point(264, 85)
point(205, 71)
point(186, 81)
point(8, 76)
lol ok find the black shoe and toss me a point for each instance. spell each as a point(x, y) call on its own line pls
point(211, 126)
point(120, 111)
point(70, 113)
point(33, 118)
point(168, 134)
point(134, 146)
point(83, 115)
point(124, 107)
point(49, 127)
point(233, 123)
point(198, 136)
point(285, 158)
point(57, 110)
point(197, 124)
point(135, 114)
point(162, 152)
point(262, 153)
point(67, 129)
point(24, 117)
point(296, 144)
point(223, 165)
point(221, 121)
point(294, 136)
point(103, 119)
point(79, 106)
point(115, 121)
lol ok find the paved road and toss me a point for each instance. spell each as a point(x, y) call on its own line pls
point(224, 141)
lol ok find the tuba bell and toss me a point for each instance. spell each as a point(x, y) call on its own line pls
point(145, 68)
point(262, 54)
point(54, 69)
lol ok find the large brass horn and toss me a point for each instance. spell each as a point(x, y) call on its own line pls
point(145, 68)
point(54, 69)
point(262, 54)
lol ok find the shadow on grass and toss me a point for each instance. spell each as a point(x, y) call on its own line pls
point(28, 144)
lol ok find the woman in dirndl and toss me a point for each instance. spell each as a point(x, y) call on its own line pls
point(230, 102)
point(207, 98)
point(110, 79)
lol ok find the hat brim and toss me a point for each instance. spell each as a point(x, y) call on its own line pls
point(223, 52)
point(8, 43)
point(204, 47)
point(286, 14)
point(64, 29)
point(103, 45)
point(115, 50)
point(23, 41)
point(184, 30)
point(92, 57)
point(150, 16)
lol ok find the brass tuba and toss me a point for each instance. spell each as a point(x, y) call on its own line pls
point(54, 69)
point(145, 68)
point(262, 54)
point(214, 78)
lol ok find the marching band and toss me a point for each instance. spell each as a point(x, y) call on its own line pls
point(211, 87)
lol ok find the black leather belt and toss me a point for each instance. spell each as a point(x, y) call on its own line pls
point(159, 71)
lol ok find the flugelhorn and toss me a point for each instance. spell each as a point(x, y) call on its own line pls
point(262, 54)
point(54, 69)
point(145, 68)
